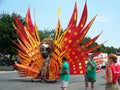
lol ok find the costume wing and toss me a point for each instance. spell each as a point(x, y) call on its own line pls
point(28, 47)
point(70, 43)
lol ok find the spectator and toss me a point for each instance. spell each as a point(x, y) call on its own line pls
point(64, 74)
point(90, 75)
point(112, 73)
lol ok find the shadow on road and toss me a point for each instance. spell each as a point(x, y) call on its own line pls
point(20, 80)
point(103, 84)
point(30, 81)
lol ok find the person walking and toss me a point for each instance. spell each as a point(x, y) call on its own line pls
point(90, 75)
point(64, 74)
point(112, 73)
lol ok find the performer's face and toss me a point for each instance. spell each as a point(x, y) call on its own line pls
point(45, 48)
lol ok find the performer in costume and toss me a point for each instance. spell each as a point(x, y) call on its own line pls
point(68, 42)
point(46, 47)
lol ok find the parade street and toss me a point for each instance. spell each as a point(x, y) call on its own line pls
point(11, 81)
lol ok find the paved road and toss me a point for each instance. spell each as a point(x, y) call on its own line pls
point(11, 81)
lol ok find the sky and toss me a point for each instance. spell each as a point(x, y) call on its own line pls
point(108, 15)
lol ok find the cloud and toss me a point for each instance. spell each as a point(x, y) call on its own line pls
point(102, 19)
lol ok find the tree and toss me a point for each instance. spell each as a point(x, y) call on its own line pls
point(47, 33)
point(8, 34)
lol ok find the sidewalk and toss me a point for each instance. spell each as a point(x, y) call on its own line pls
point(7, 71)
point(6, 68)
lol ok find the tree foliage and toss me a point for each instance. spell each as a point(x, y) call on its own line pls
point(8, 34)
point(46, 33)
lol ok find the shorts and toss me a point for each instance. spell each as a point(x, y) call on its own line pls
point(64, 84)
point(88, 79)
point(112, 86)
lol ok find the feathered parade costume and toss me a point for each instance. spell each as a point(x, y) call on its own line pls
point(68, 43)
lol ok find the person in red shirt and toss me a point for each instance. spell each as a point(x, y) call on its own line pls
point(112, 73)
